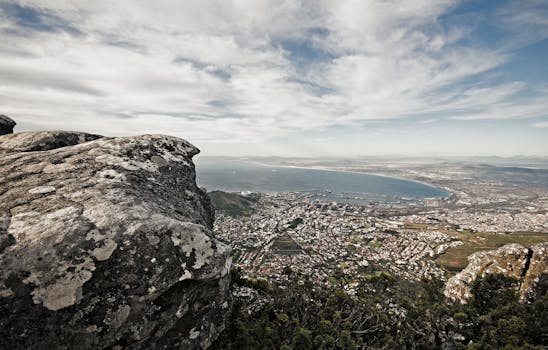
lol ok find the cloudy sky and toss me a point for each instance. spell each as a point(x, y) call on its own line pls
point(298, 78)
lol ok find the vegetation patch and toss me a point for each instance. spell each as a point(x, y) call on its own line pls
point(386, 312)
point(232, 203)
point(415, 226)
point(284, 244)
point(374, 244)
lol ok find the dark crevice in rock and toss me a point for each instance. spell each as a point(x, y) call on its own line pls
point(527, 262)
point(6, 240)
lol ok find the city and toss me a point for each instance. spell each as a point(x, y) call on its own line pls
point(297, 232)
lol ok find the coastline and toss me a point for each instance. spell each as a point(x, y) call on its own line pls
point(449, 191)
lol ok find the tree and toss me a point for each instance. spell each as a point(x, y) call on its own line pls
point(493, 290)
point(302, 339)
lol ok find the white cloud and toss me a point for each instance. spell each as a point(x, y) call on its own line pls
point(219, 70)
point(526, 20)
point(541, 125)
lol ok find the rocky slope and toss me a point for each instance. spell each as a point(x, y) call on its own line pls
point(529, 265)
point(106, 243)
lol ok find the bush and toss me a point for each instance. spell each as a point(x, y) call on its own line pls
point(388, 313)
point(493, 290)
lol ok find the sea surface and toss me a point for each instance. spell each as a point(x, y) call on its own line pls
point(231, 175)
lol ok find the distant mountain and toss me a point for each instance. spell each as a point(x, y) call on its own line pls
point(231, 203)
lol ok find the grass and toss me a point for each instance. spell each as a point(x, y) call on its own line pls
point(375, 244)
point(286, 245)
point(351, 249)
point(415, 226)
point(377, 274)
point(455, 259)
point(355, 239)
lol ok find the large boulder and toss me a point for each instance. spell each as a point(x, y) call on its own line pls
point(107, 244)
point(529, 265)
point(6, 125)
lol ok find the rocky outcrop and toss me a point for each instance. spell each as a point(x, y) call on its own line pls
point(6, 125)
point(529, 265)
point(106, 243)
point(251, 300)
point(42, 141)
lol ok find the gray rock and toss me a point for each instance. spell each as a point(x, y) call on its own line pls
point(529, 265)
point(107, 244)
point(42, 141)
point(6, 125)
point(251, 299)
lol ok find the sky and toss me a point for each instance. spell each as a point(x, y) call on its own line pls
point(285, 78)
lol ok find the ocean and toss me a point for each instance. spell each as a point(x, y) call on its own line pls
point(232, 175)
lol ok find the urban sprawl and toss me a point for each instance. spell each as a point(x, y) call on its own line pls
point(331, 242)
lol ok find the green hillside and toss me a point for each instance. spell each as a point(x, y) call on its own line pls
point(231, 203)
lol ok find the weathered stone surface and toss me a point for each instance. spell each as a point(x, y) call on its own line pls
point(106, 244)
point(250, 299)
point(6, 125)
point(529, 265)
point(42, 140)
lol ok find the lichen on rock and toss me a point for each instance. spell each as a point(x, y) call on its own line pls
point(106, 242)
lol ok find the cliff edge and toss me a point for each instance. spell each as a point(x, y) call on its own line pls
point(528, 265)
point(106, 243)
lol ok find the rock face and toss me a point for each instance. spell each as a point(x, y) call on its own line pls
point(6, 125)
point(106, 244)
point(529, 265)
point(251, 299)
point(42, 141)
